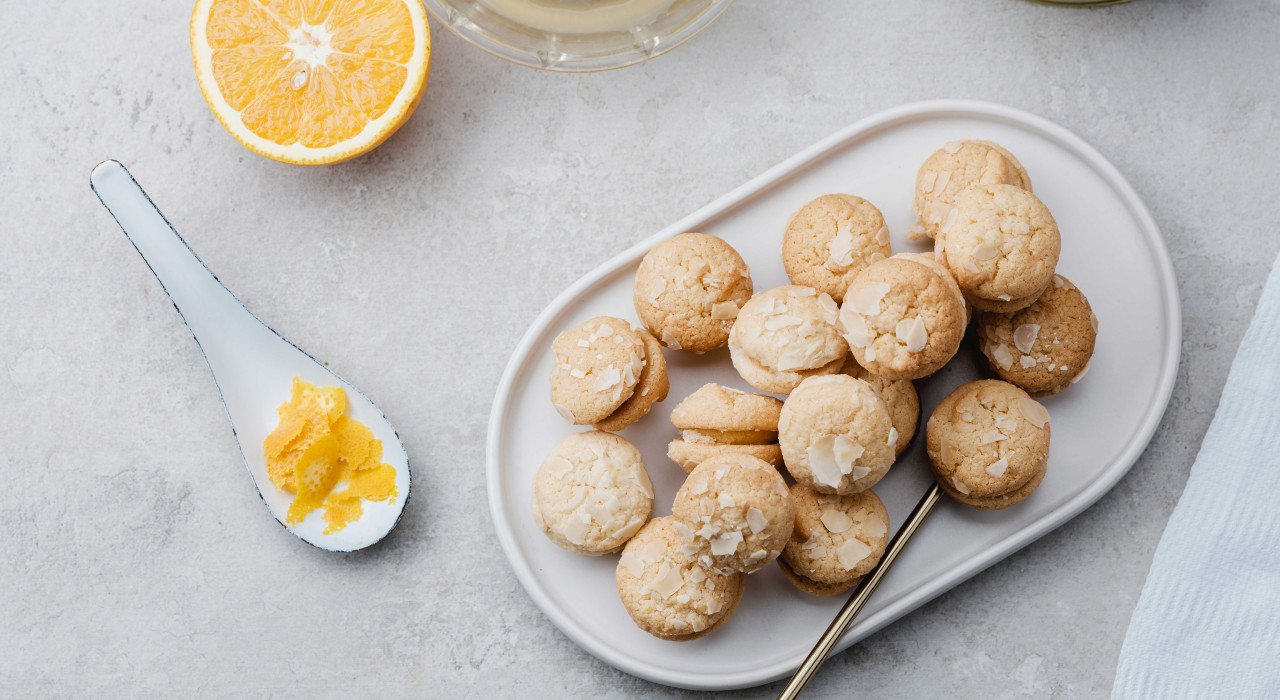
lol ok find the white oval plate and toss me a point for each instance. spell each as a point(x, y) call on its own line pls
point(1111, 249)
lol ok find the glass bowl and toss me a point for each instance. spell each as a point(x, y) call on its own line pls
point(536, 34)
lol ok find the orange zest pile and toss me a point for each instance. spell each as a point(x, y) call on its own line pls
point(329, 460)
point(311, 81)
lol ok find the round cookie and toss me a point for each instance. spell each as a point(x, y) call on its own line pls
point(735, 512)
point(591, 493)
point(954, 168)
point(988, 443)
point(830, 239)
point(902, 319)
point(899, 396)
point(1002, 247)
point(835, 435)
point(595, 369)
point(651, 387)
point(1045, 347)
point(719, 420)
point(667, 592)
point(836, 540)
point(688, 290)
point(784, 335)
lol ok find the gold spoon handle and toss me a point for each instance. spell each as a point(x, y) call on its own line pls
point(861, 595)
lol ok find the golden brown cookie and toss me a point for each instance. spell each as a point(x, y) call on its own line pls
point(835, 435)
point(784, 335)
point(595, 369)
point(1045, 347)
point(830, 239)
point(952, 169)
point(591, 493)
point(734, 513)
point(899, 396)
point(988, 443)
point(836, 539)
point(651, 388)
point(902, 319)
point(688, 291)
point(1002, 247)
point(667, 592)
point(719, 420)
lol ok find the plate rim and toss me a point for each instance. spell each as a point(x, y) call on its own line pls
point(772, 177)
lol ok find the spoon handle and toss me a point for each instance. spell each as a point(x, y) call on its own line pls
point(861, 594)
point(220, 323)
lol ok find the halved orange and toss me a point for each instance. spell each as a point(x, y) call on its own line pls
point(311, 81)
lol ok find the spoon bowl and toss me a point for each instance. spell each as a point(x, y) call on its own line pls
point(252, 365)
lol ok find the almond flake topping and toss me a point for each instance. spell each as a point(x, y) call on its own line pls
point(1035, 413)
point(830, 310)
point(802, 292)
point(575, 530)
point(726, 544)
point(669, 339)
point(927, 180)
point(985, 251)
point(991, 436)
point(699, 485)
point(916, 336)
point(631, 563)
point(874, 527)
point(1024, 336)
point(856, 331)
point(1093, 321)
point(851, 553)
point(875, 257)
point(1020, 227)
point(684, 530)
point(724, 311)
point(960, 486)
point(564, 412)
point(882, 236)
point(668, 582)
point(779, 322)
point(866, 297)
point(971, 266)
point(836, 521)
point(938, 212)
point(893, 436)
point(944, 178)
point(726, 501)
point(822, 462)
point(998, 467)
point(756, 520)
point(1027, 361)
point(952, 146)
point(1002, 356)
point(656, 290)
point(840, 249)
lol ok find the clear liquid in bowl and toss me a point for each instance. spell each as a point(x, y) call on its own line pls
point(579, 16)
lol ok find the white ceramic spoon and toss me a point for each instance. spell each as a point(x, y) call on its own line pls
point(252, 365)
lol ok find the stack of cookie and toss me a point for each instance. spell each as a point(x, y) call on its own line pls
point(790, 479)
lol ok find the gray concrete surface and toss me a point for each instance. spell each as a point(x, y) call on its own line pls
point(137, 560)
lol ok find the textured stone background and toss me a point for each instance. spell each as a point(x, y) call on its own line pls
point(137, 559)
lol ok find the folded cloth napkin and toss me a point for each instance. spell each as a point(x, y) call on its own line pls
point(1208, 622)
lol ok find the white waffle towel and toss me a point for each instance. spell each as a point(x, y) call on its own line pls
point(1208, 622)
